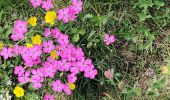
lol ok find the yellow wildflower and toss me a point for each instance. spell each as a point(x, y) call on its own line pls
point(36, 39)
point(29, 45)
point(72, 86)
point(18, 91)
point(50, 17)
point(53, 54)
point(165, 70)
point(1, 45)
point(32, 21)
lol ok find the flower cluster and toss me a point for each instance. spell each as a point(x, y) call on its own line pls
point(45, 4)
point(62, 58)
point(20, 28)
point(56, 55)
point(65, 14)
point(49, 97)
point(69, 13)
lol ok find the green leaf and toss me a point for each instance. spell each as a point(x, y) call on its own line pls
point(163, 81)
point(1, 15)
point(96, 40)
point(109, 14)
point(159, 3)
point(89, 44)
point(156, 85)
point(143, 16)
point(87, 16)
point(76, 37)
point(145, 4)
point(91, 34)
point(81, 31)
point(150, 93)
point(74, 30)
point(147, 45)
point(104, 19)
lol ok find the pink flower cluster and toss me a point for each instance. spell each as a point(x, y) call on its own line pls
point(72, 61)
point(109, 39)
point(20, 28)
point(36, 65)
point(69, 13)
point(66, 14)
point(49, 97)
point(45, 4)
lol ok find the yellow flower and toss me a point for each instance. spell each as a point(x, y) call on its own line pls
point(1, 45)
point(71, 86)
point(36, 39)
point(53, 54)
point(165, 70)
point(18, 91)
point(29, 45)
point(50, 17)
point(32, 21)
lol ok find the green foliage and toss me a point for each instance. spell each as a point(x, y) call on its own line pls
point(157, 85)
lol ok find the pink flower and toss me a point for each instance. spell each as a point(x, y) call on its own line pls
point(6, 52)
point(63, 65)
point(49, 97)
point(48, 46)
point(55, 33)
point(79, 54)
point(36, 61)
point(19, 70)
point(71, 78)
point(35, 52)
point(63, 39)
point(28, 62)
point(47, 5)
point(74, 69)
point(17, 49)
point(90, 72)
point(66, 89)
point(77, 6)
point(49, 70)
point(35, 3)
point(24, 78)
point(65, 15)
point(31, 56)
point(109, 39)
point(20, 27)
point(47, 32)
point(39, 72)
point(17, 36)
point(57, 86)
point(83, 63)
point(37, 78)
point(109, 74)
point(36, 85)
